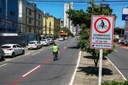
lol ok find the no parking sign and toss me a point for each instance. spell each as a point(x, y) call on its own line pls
point(102, 28)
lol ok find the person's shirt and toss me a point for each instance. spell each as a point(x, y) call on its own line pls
point(55, 48)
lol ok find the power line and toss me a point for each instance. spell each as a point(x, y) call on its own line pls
point(77, 1)
point(60, 2)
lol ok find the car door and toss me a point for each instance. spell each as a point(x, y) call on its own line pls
point(19, 48)
point(15, 49)
point(38, 43)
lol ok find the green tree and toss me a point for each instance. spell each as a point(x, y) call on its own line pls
point(84, 20)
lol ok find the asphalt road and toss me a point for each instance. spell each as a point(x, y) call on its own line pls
point(120, 59)
point(37, 67)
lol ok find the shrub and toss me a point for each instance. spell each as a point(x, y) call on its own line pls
point(114, 83)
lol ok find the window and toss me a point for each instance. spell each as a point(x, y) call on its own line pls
point(26, 10)
point(39, 16)
point(19, 46)
point(29, 29)
point(14, 46)
point(50, 23)
point(30, 12)
point(30, 20)
point(12, 13)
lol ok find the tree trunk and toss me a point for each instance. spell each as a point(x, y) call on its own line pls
point(96, 59)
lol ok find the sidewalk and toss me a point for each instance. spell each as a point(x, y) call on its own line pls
point(86, 76)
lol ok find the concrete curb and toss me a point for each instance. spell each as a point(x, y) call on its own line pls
point(73, 76)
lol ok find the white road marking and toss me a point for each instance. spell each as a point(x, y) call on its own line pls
point(65, 47)
point(27, 54)
point(117, 69)
point(3, 65)
point(35, 53)
point(31, 71)
point(73, 76)
point(116, 50)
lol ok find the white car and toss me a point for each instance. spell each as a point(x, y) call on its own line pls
point(51, 40)
point(34, 45)
point(45, 42)
point(61, 38)
point(12, 49)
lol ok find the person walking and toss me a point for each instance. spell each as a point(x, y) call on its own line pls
point(55, 50)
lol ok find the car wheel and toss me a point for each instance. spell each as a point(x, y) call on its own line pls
point(37, 48)
point(13, 54)
point(2, 58)
point(23, 52)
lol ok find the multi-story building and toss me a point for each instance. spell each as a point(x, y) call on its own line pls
point(30, 18)
point(51, 25)
point(8, 16)
point(67, 22)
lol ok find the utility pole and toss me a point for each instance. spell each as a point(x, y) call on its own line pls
point(6, 14)
point(101, 56)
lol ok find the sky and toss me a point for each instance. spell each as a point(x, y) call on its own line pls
point(57, 9)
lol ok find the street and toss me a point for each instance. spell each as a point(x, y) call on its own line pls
point(37, 67)
point(120, 59)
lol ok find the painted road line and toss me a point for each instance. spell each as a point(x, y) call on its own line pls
point(117, 69)
point(73, 76)
point(65, 47)
point(116, 50)
point(3, 65)
point(31, 71)
point(27, 54)
point(35, 53)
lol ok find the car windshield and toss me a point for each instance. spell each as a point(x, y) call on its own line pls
point(31, 42)
point(5, 46)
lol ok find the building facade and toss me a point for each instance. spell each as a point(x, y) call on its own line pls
point(8, 16)
point(51, 25)
point(30, 18)
point(67, 22)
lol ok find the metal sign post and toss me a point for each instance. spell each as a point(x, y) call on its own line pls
point(100, 66)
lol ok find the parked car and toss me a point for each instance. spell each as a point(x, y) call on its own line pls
point(61, 38)
point(45, 42)
point(12, 49)
point(51, 40)
point(122, 41)
point(126, 42)
point(34, 45)
point(1, 54)
point(66, 38)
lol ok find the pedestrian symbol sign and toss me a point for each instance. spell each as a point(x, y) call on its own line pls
point(101, 35)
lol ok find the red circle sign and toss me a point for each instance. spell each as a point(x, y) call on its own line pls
point(99, 31)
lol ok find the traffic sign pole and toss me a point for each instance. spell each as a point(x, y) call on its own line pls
point(100, 66)
point(102, 30)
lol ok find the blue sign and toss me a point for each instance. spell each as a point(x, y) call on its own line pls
point(124, 16)
point(105, 5)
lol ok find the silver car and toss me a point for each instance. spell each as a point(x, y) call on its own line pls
point(12, 49)
point(51, 40)
point(34, 45)
point(45, 42)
